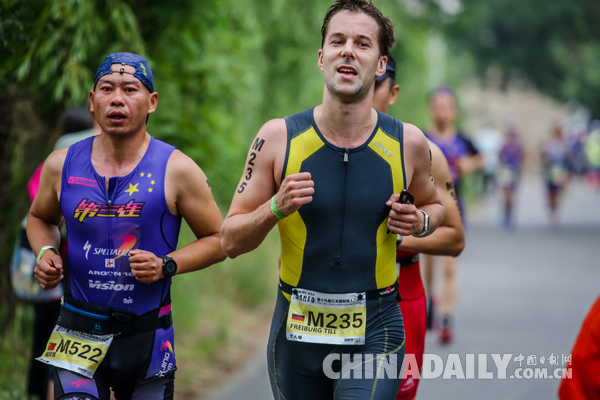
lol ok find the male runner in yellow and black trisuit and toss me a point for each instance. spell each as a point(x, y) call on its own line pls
point(331, 177)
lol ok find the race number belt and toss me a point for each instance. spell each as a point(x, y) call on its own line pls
point(96, 320)
point(84, 332)
point(329, 318)
point(370, 294)
point(75, 351)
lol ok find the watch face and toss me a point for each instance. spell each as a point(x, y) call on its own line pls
point(170, 267)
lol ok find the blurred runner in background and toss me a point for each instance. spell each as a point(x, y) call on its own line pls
point(555, 162)
point(463, 159)
point(512, 155)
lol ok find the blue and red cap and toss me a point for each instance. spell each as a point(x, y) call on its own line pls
point(142, 68)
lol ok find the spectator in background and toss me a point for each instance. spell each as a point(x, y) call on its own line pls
point(511, 159)
point(488, 141)
point(463, 159)
point(77, 124)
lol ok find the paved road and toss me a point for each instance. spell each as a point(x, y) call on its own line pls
point(523, 292)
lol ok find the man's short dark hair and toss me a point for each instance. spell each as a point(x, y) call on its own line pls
point(386, 37)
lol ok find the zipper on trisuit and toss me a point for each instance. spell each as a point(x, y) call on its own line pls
point(338, 257)
point(111, 191)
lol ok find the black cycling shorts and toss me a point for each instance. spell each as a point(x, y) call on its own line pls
point(297, 369)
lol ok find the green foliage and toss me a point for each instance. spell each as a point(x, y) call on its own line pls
point(221, 69)
point(207, 303)
point(15, 347)
point(417, 25)
point(63, 41)
point(554, 45)
point(223, 75)
point(412, 64)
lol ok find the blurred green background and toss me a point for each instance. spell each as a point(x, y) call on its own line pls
point(222, 69)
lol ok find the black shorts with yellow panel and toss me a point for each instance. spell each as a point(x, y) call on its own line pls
point(338, 269)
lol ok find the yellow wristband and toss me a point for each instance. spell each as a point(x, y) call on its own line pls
point(43, 249)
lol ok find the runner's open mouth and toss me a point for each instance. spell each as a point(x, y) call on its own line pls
point(347, 70)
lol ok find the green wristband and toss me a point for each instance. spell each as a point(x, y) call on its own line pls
point(43, 249)
point(275, 210)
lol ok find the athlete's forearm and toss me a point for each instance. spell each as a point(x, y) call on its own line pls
point(243, 233)
point(446, 241)
point(199, 254)
point(41, 233)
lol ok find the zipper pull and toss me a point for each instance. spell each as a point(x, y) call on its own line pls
point(346, 155)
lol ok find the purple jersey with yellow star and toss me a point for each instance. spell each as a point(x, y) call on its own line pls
point(105, 225)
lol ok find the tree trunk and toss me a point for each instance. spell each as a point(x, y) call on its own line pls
point(20, 145)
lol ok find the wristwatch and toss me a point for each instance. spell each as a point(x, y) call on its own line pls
point(169, 266)
point(425, 227)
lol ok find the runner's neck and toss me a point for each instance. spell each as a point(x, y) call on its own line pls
point(346, 125)
point(118, 156)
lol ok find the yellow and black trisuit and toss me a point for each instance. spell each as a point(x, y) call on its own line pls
point(337, 291)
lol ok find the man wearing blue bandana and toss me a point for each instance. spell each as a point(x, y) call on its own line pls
point(122, 195)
